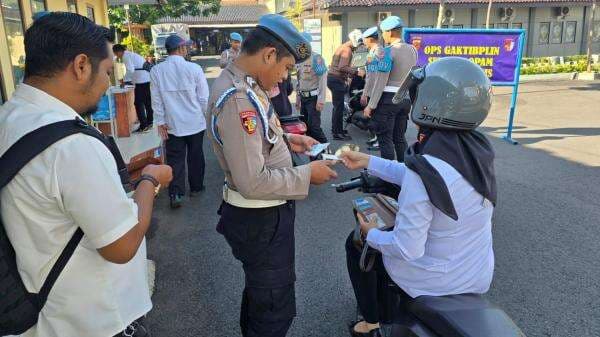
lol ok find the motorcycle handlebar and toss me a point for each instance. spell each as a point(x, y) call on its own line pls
point(349, 185)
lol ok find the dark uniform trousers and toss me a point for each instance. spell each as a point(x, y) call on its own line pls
point(143, 104)
point(389, 122)
point(338, 92)
point(263, 240)
point(182, 150)
point(373, 295)
point(308, 107)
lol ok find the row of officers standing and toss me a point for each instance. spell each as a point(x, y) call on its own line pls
point(261, 180)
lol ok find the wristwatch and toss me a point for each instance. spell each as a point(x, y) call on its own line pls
point(150, 179)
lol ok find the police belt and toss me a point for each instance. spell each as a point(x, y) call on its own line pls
point(234, 198)
point(309, 93)
point(391, 88)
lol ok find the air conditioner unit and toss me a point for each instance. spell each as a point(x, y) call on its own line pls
point(560, 12)
point(448, 16)
point(506, 13)
point(382, 16)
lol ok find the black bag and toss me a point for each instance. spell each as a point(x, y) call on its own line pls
point(19, 309)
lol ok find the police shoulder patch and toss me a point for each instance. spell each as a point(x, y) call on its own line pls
point(249, 121)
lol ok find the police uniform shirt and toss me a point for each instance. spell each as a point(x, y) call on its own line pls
point(228, 56)
point(73, 183)
point(133, 68)
point(428, 253)
point(369, 77)
point(253, 166)
point(404, 57)
point(309, 81)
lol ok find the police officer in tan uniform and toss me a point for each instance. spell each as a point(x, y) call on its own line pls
point(371, 41)
point(310, 98)
point(229, 55)
point(393, 64)
point(257, 213)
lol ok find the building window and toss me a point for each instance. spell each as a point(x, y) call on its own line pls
point(72, 6)
point(502, 25)
point(570, 32)
point(557, 32)
point(13, 24)
point(37, 6)
point(457, 26)
point(90, 13)
point(516, 25)
point(544, 35)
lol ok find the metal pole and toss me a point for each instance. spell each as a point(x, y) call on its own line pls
point(489, 11)
point(441, 13)
point(589, 39)
point(126, 6)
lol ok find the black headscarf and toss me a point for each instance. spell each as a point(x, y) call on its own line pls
point(469, 152)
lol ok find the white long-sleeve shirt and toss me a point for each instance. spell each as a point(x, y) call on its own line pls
point(133, 61)
point(179, 96)
point(428, 253)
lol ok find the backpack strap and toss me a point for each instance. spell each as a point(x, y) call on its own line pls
point(34, 143)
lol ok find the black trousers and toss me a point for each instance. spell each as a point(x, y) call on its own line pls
point(373, 295)
point(143, 104)
point(338, 92)
point(182, 150)
point(263, 240)
point(389, 122)
point(308, 107)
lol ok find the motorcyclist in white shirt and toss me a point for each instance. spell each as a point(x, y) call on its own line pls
point(442, 240)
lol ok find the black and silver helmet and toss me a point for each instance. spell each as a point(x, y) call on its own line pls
point(451, 93)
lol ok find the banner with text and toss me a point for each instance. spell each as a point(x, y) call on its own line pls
point(496, 52)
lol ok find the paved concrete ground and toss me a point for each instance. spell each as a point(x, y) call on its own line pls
point(546, 233)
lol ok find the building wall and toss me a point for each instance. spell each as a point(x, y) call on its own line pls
point(8, 59)
point(331, 35)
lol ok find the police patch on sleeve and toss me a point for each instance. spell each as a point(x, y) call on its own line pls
point(249, 121)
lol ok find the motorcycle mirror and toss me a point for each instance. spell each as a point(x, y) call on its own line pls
point(414, 77)
point(346, 148)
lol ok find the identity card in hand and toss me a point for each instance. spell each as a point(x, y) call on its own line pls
point(318, 148)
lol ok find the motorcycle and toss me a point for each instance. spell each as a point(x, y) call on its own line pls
point(464, 315)
point(293, 124)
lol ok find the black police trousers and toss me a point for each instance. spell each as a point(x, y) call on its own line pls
point(308, 107)
point(143, 104)
point(263, 240)
point(372, 289)
point(389, 122)
point(338, 92)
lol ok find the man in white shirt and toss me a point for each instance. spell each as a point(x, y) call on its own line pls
point(74, 184)
point(138, 74)
point(179, 99)
point(442, 240)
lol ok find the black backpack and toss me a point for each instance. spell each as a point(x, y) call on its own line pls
point(19, 309)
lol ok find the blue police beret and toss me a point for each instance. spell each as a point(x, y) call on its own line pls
point(307, 36)
point(284, 31)
point(235, 36)
point(39, 15)
point(371, 32)
point(390, 23)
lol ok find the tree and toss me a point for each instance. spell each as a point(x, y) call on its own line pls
point(149, 14)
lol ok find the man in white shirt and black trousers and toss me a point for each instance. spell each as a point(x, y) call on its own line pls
point(138, 74)
point(442, 240)
point(72, 184)
point(180, 99)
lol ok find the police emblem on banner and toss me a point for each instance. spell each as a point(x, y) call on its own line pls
point(303, 50)
point(249, 121)
point(416, 42)
point(509, 45)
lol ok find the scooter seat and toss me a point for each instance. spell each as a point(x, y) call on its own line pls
point(467, 315)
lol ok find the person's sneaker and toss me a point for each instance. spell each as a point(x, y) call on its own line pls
point(176, 201)
point(338, 136)
point(347, 137)
point(140, 129)
point(372, 140)
point(374, 147)
point(147, 129)
point(195, 193)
